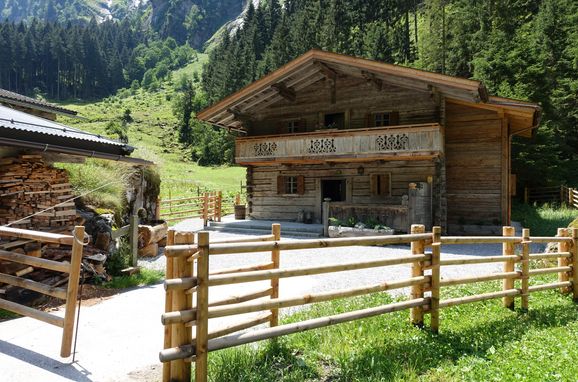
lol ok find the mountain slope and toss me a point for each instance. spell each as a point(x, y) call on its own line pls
point(67, 10)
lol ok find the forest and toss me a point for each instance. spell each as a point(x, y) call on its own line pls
point(523, 49)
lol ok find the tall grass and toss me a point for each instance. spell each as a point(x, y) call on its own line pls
point(543, 220)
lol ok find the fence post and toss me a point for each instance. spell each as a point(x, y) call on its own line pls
point(435, 279)
point(169, 274)
point(181, 370)
point(202, 319)
point(72, 292)
point(525, 268)
point(417, 291)
point(205, 209)
point(275, 259)
point(133, 240)
point(563, 261)
point(508, 249)
point(158, 209)
point(238, 199)
point(220, 205)
point(574, 263)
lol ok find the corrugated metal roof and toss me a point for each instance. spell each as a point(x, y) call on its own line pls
point(19, 99)
point(17, 120)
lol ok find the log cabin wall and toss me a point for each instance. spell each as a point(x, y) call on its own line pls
point(356, 97)
point(477, 164)
point(266, 203)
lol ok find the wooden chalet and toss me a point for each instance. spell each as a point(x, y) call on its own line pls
point(381, 142)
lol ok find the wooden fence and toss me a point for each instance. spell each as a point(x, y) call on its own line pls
point(189, 282)
point(69, 294)
point(130, 230)
point(554, 194)
point(209, 206)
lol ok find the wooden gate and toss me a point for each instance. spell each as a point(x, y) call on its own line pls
point(69, 294)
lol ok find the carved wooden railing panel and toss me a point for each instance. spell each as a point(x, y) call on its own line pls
point(375, 142)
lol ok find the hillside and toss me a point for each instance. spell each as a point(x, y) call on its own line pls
point(153, 132)
point(192, 21)
point(67, 10)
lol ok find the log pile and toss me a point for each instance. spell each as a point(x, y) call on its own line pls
point(150, 238)
point(28, 185)
point(92, 265)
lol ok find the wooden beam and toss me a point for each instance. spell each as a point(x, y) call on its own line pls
point(328, 72)
point(284, 91)
point(372, 78)
point(238, 115)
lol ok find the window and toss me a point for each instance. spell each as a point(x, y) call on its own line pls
point(335, 121)
point(380, 185)
point(293, 127)
point(381, 119)
point(291, 185)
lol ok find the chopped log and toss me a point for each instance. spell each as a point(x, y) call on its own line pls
point(151, 234)
point(150, 250)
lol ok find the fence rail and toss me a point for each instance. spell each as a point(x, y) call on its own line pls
point(69, 294)
point(556, 194)
point(184, 286)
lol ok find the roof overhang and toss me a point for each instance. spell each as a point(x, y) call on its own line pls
point(20, 100)
point(317, 65)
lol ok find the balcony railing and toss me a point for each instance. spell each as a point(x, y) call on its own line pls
point(375, 143)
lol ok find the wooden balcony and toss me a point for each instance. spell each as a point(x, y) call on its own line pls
point(381, 143)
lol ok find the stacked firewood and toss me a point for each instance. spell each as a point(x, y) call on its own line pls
point(27, 186)
point(92, 266)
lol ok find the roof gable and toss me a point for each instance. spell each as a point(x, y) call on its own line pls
point(316, 65)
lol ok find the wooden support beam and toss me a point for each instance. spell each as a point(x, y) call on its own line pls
point(328, 72)
point(372, 78)
point(284, 91)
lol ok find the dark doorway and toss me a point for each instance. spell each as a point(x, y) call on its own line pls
point(333, 189)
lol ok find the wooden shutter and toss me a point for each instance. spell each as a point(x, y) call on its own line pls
point(373, 181)
point(385, 185)
point(394, 118)
point(280, 184)
point(369, 121)
point(300, 185)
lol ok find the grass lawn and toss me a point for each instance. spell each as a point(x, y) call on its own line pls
point(477, 342)
point(543, 220)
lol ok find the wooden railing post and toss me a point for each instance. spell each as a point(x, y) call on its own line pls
point(169, 274)
point(417, 291)
point(133, 240)
point(325, 218)
point(205, 209)
point(525, 268)
point(220, 206)
point(563, 261)
point(72, 292)
point(508, 249)
point(574, 232)
point(181, 334)
point(202, 316)
point(435, 279)
point(158, 209)
point(275, 260)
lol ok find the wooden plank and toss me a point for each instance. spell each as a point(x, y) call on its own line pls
point(33, 285)
point(35, 261)
point(35, 235)
point(72, 292)
point(32, 313)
